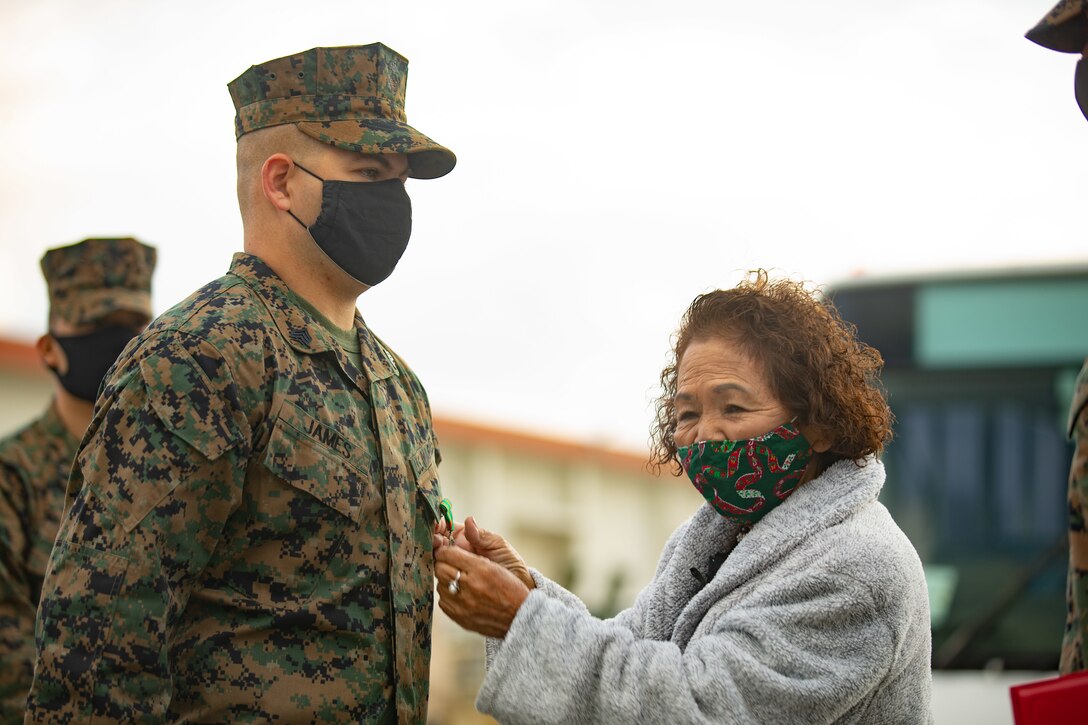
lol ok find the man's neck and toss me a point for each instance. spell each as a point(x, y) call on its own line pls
point(305, 270)
point(320, 290)
point(75, 414)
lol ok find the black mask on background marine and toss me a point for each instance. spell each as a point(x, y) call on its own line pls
point(90, 357)
point(1080, 86)
point(363, 226)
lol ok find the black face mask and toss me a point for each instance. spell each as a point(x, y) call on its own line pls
point(363, 226)
point(90, 357)
point(1080, 86)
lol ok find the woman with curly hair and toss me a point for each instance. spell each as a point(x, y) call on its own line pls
point(790, 597)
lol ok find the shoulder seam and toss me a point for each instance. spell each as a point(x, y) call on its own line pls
point(180, 322)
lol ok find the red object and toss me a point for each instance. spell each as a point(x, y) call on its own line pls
point(1056, 701)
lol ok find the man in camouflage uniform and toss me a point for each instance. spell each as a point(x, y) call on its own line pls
point(249, 538)
point(1065, 29)
point(99, 299)
point(1074, 654)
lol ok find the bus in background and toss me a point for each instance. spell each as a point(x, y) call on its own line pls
point(979, 369)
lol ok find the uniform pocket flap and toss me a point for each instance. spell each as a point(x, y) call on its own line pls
point(422, 458)
point(309, 464)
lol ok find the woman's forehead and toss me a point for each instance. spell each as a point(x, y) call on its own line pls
point(723, 365)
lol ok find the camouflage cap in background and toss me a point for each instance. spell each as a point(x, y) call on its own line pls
point(1065, 27)
point(96, 277)
point(350, 97)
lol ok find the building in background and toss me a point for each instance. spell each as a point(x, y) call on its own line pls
point(594, 520)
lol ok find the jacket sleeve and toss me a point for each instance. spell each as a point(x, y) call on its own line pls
point(809, 657)
point(633, 618)
point(156, 479)
point(16, 601)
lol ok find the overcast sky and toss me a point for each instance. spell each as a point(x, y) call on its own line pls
point(616, 158)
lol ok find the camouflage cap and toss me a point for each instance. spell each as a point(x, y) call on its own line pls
point(96, 277)
point(1065, 27)
point(350, 97)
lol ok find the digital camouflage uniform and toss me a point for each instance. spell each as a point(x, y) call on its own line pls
point(249, 538)
point(34, 465)
point(1065, 29)
point(86, 282)
point(1074, 654)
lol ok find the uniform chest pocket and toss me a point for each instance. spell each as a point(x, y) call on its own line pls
point(310, 457)
point(310, 499)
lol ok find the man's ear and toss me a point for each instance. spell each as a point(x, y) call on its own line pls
point(274, 174)
point(51, 354)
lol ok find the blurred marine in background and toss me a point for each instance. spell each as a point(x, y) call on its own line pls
point(250, 540)
point(1065, 29)
point(99, 299)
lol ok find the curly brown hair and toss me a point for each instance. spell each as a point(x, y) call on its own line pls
point(811, 357)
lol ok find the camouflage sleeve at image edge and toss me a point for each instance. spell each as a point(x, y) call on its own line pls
point(1073, 657)
point(16, 609)
point(161, 470)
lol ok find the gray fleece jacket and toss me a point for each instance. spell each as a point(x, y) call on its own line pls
point(818, 615)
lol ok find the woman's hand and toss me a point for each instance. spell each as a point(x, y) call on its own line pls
point(441, 530)
point(470, 537)
point(486, 597)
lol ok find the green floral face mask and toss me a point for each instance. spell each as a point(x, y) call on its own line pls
point(744, 480)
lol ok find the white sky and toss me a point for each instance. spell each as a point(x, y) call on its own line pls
point(616, 157)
